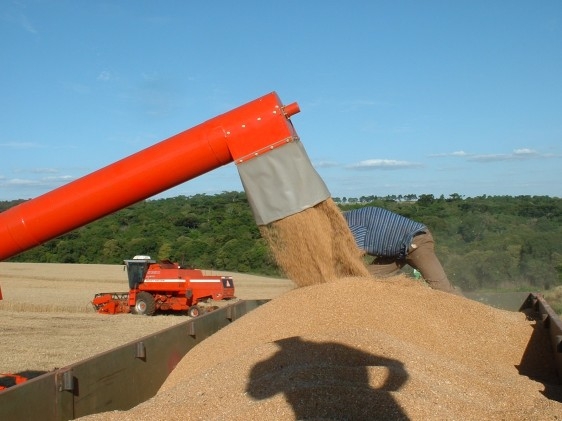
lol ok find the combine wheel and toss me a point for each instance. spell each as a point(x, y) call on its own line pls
point(145, 304)
point(194, 311)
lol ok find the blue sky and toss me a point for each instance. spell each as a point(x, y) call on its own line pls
point(396, 97)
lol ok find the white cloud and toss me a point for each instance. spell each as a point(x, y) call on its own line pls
point(20, 182)
point(49, 181)
point(383, 164)
point(104, 76)
point(456, 153)
point(31, 182)
point(325, 164)
point(18, 18)
point(58, 179)
point(27, 25)
point(516, 154)
point(19, 145)
point(490, 157)
point(525, 151)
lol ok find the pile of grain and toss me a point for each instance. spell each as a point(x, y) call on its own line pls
point(362, 349)
point(358, 348)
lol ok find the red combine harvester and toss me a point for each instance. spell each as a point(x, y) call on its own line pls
point(13, 379)
point(164, 285)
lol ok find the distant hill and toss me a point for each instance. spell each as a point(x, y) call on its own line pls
point(487, 242)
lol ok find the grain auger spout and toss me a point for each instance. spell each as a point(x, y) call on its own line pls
point(280, 181)
point(259, 137)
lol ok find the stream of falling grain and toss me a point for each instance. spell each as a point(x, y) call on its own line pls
point(314, 246)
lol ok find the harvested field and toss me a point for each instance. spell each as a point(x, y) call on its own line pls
point(47, 321)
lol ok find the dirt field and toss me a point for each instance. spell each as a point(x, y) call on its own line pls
point(47, 321)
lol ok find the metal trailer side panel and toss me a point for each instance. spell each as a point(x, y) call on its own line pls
point(115, 380)
point(548, 318)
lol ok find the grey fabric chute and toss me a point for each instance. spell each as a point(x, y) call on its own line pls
point(281, 182)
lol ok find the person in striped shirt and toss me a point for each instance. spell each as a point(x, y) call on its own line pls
point(394, 241)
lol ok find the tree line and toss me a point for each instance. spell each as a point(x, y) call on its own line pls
point(485, 242)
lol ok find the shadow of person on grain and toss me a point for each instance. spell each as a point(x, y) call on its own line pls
point(328, 380)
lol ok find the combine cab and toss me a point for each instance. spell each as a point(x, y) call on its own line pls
point(164, 286)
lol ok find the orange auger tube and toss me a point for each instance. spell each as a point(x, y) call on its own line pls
point(239, 135)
